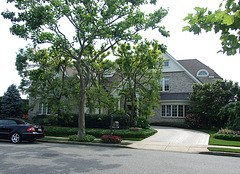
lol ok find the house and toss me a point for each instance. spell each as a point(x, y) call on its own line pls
point(178, 78)
point(177, 81)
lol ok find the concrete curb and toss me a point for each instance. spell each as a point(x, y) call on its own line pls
point(220, 153)
point(84, 143)
point(129, 147)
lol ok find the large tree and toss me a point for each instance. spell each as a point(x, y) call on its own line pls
point(11, 103)
point(225, 20)
point(106, 22)
point(208, 99)
point(139, 69)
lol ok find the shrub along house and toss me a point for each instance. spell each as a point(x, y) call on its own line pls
point(178, 78)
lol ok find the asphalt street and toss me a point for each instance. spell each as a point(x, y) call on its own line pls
point(41, 158)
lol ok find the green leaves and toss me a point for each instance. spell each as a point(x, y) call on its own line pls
point(138, 68)
point(225, 21)
point(228, 19)
point(209, 98)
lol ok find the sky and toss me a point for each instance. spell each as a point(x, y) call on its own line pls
point(181, 45)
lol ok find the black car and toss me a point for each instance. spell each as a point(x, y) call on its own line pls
point(17, 130)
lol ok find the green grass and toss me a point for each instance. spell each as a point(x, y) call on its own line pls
point(224, 149)
point(125, 143)
point(133, 139)
point(219, 142)
point(55, 139)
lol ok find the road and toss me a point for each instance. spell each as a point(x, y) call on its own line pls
point(52, 158)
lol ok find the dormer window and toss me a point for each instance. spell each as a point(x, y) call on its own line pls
point(202, 73)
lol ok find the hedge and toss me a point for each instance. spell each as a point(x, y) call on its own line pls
point(102, 121)
point(66, 131)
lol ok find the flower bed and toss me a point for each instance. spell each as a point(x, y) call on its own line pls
point(110, 139)
point(226, 134)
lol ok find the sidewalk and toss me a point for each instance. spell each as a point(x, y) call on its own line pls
point(166, 139)
point(165, 146)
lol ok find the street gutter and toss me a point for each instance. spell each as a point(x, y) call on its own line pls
point(217, 153)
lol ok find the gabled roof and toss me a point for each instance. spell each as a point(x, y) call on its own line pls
point(194, 65)
point(182, 68)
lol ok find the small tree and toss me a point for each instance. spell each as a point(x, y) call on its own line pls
point(139, 68)
point(12, 105)
point(230, 113)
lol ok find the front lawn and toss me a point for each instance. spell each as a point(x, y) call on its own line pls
point(219, 142)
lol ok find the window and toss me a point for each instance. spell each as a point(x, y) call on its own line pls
point(166, 63)
point(43, 109)
point(8, 122)
point(174, 110)
point(165, 84)
point(169, 113)
point(202, 72)
point(163, 110)
point(180, 110)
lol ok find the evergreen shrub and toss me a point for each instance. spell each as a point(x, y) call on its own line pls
point(86, 138)
point(141, 122)
point(102, 121)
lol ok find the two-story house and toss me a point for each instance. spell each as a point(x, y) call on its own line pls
point(177, 81)
point(178, 78)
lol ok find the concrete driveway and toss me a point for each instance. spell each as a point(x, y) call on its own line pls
point(174, 139)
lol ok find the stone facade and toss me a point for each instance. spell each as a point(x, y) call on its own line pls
point(179, 82)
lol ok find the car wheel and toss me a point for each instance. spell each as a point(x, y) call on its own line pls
point(15, 138)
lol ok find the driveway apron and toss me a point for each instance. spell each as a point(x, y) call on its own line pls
point(175, 139)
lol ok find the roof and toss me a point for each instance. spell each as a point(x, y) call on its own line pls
point(194, 65)
point(174, 96)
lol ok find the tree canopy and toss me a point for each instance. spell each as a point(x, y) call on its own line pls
point(75, 26)
point(209, 98)
point(225, 20)
point(139, 69)
point(45, 77)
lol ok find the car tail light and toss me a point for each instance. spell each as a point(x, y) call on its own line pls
point(31, 129)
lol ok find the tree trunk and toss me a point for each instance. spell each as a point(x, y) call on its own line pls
point(81, 117)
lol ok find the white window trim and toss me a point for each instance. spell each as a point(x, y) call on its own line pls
point(41, 106)
point(163, 83)
point(170, 104)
